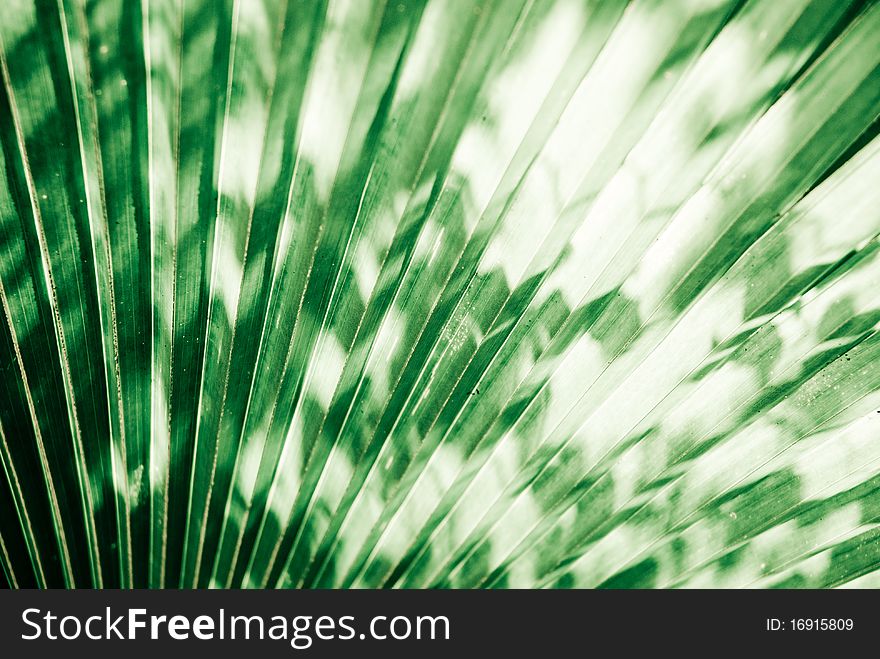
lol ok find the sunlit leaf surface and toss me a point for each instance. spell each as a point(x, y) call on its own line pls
point(440, 293)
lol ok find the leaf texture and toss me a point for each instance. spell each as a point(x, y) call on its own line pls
point(440, 293)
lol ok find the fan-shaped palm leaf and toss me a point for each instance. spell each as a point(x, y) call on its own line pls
point(454, 293)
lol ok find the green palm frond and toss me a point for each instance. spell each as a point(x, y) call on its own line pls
point(440, 293)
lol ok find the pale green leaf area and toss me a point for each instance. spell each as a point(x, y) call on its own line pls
point(440, 293)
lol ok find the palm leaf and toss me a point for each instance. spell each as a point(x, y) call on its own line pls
point(440, 293)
